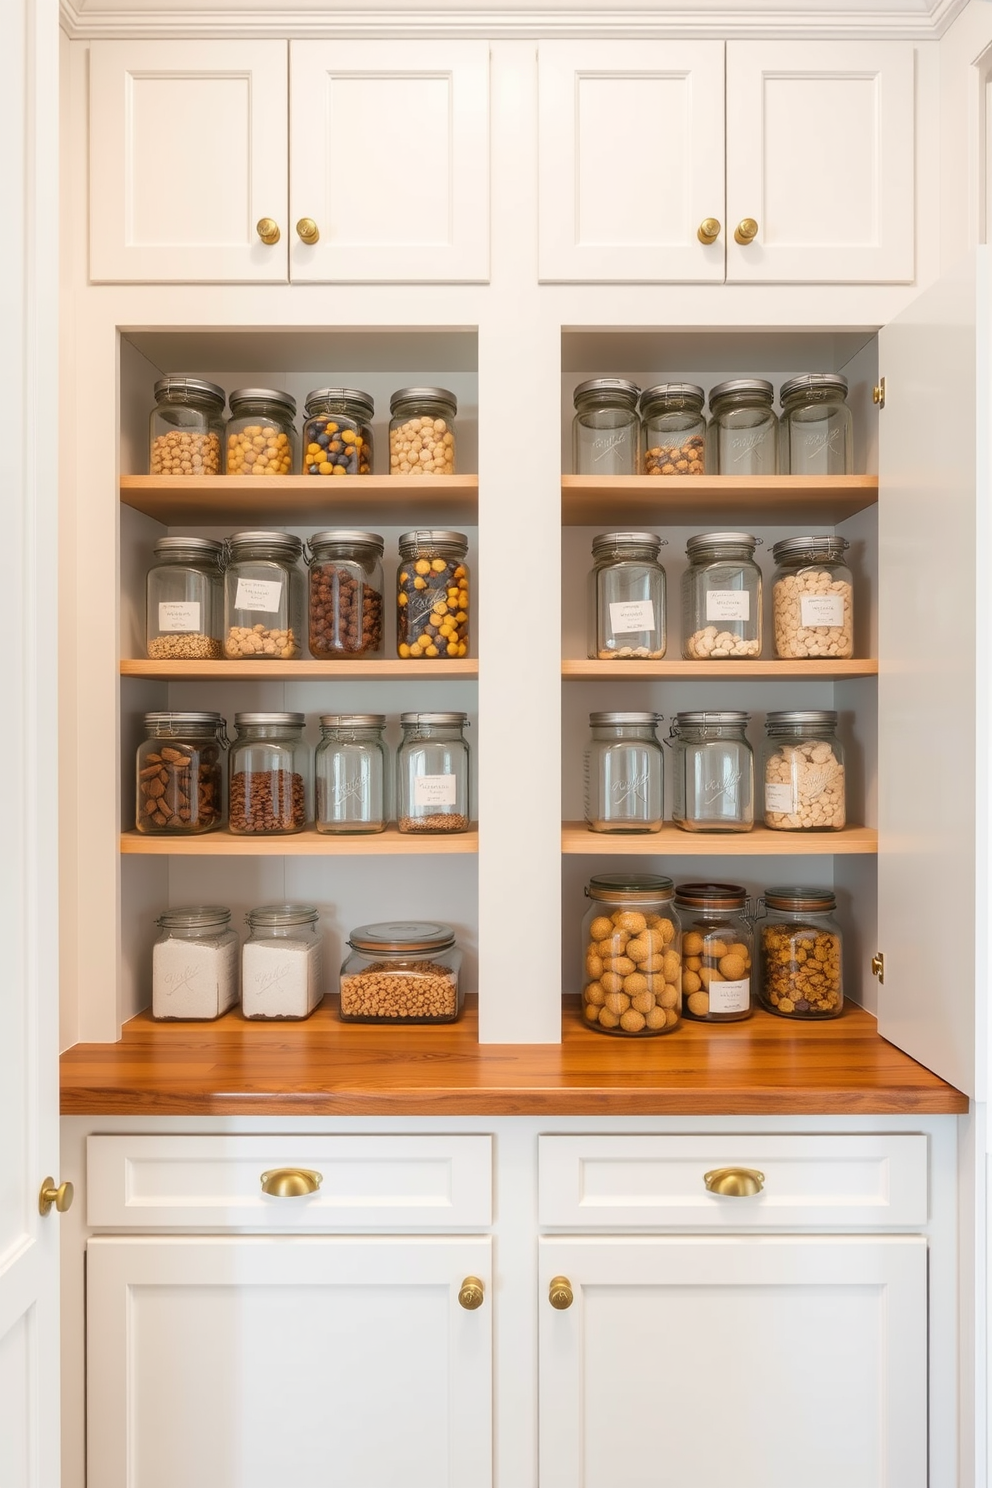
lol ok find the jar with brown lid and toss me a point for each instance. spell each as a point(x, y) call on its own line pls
point(717, 951)
point(801, 950)
point(631, 953)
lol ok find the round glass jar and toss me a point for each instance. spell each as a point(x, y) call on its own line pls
point(812, 598)
point(717, 951)
point(261, 432)
point(270, 775)
point(350, 773)
point(184, 600)
point(674, 429)
point(282, 965)
point(804, 772)
point(180, 774)
point(401, 973)
point(817, 430)
point(432, 595)
point(263, 597)
point(606, 431)
point(631, 952)
point(721, 598)
point(743, 431)
point(194, 963)
point(626, 602)
point(714, 772)
point(801, 949)
point(345, 610)
point(422, 431)
point(186, 427)
point(432, 773)
point(337, 434)
point(624, 773)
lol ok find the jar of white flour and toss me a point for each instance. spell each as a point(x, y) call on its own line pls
point(281, 967)
point(194, 963)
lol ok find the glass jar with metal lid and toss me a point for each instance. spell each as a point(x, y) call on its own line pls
point(432, 595)
point(817, 430)
point(813, 598)
point(270, 774)
point(180, 774)
point(432, 773)
point(346, 593)
point(606, 431)
point(184, 600)
point(631, 953)
point(261, 432)
point(714, 772)
point(804, 772)
point(717, 951)
point(337, 434)
point(401, 972)
point(674, 429)
point(801, 952)
point(626, 603)
point(624, 773)
point(282, 963)
point(422, 431)
point(743, 431)
point(721, 598)
point(194, 963)
point(350, 773)
point(186, 427)
point(263, 596)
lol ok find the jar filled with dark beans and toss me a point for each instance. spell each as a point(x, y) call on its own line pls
point(432, 597)
point(270, 774)
point(337, 436)
point(346, 593)
point(180, 784)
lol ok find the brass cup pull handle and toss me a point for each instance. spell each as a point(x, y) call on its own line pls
point(291, 1183)
point(268, 230)
point(472, 1293)
point(560, 1293)
point(746, 231)
point(307, 230)
point(734, 1183)
point(61, 1196)
point(708, 230)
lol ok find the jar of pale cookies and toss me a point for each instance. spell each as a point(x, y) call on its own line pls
point(801, 954)
point(813, 598)
point(717, 951)
point(804, 772)
point(631, 955)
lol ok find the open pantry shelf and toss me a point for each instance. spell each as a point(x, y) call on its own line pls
point(672, 842)
point(675, 670)
point(294, 671)
point(308, 844)
point(288, 499)
point(588, 500)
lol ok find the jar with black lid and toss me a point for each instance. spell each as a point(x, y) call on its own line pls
point(184, 600)
point(674, 429)
point(345, 588)
point(714, 772)
point(813, 598)
point(624, 773)
point(721, 598)
point(180, 774)
point(743, 431)
point(263, 596)
point(804, 772)
point(401, 972)
point(717, 951)
point(801, 948)
point(422, 431)
point(817, 429)
point(626, 598)
point(261, 432)
point(606, 430)
point(631, 952)
point(270, 775)
point(337, 434)
point(186, 427)
point(432, 595)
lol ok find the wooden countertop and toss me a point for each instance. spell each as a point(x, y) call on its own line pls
point(322, 1067)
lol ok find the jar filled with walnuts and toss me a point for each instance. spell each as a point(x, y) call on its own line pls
point(717, 951)
point(422, 431)
point(401, 972)
point(674, 439)
point(345, 610)
point(804, 772)
point(801, 950)
point(186, 427)
point(631, 954)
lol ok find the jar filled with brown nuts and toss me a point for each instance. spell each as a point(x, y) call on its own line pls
point(721, 598)
point(261, 432)
point(631, 952)
point(180, 770)
point(401, 972)
point(337, 436)
point(432, 773)
point(432, 595)
point(186, 428)
point(263, 597)
point(801, 950)
point(674, 429)
point(813, 598)
point(606, 431)
point(184, 600)
point(717, 950)
point(270, 774)
point(626, 599)
point(345, 593)
point(804, 772)
point(422, 431)
point(817, 429)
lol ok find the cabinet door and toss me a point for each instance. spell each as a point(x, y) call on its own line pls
point(187, 154)
point(263, 1362)
point(390, 160)
point(820, 154)
point(758, 1362)
point(631, 158)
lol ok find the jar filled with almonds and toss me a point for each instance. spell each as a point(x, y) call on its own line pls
point(631, 952)
point(401, 972)
point(180, 774)
point(804, 772)
point(813, 598)
point(717, 950)
point(422, 431)
point(186, 428)
point(674, 429)
point(801, 951)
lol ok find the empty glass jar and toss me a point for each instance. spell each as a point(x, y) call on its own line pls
point(186, 427)
point(261, 432)
point(801, 949)
point(282, 966)
point(263, 597)
point(350, 773)
point(401, 973)
point(717, 950)
point(422, 431)
point(432, 773)
point(817, 430)
point(631, 955)
point(626, 597)
point(337, 435)
point(743, 431)
point(345, 592)
point(714, 772)
point(180, 774)
point(606, 430)
point(624, 773)
point(813, 598)
point(804, 772)
point(184, 600)
point(270, 774)
point(721, 598)
point(432, 595)
point(194, 963)
point(674, 429)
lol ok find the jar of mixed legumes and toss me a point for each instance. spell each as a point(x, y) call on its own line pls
point(337, 435)
point(804, 772)
point(432, 595)
point(186, 427)
point(817, 429)
point(721, 598)
point(606, 431)
point(184, 594)
point(263, 596)
point(346, 593)
point(624, 773)
point(422, 431)
point(801, 950)
point(180, 774)
point(270, 775)
point(674, 429)
point(261, 432)
point(717, 951)
point(743, 431)
point(813, 598)
point(401, 972)
point(432, 773)
point(713, 768)
point(626, 597)
point(631, 951)
point(350, 773)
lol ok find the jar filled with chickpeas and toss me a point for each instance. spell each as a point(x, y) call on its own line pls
point(817, 428)
point(813, 598)
point(606, 431)
point(184, 600)
point(401, 972)
point(804, 772)
point(721, 598)
point(186, 427)
point(801, 949)
point(337, 435)
point(432, 595)
point(263, 597)
point(422, 431)
point(261, 432)
point(714, 772)
point(674, 429)
point(631, 951)
point(717, 950)
point(626, 599)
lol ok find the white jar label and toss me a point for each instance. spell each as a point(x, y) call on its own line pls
point(175, 616)
point(630, 616)
point(780, 797)
point(730, 997)
point(728, 604)
point(264, 595)
point(435, 790)
point(821, 609)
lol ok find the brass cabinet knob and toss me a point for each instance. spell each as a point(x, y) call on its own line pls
point(746, 231)
point(268, 230)
point(307, 230)
point(472, 1293)
point(560, 1293)
point(291, 1183)
point(708, 230)
point(734, 1183)
point(61, 1197)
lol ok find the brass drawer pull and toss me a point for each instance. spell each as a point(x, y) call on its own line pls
point(734, 1183)
point(291, 1183)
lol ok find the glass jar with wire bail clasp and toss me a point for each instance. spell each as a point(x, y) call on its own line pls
point(817, 428)
point(717, 951)
point(263, 596)
point(184, 600)
point(674, 429)
point(606, 431)
point(804, 772)
point(180, 774)
point(270, 775)
point(261, 432)
point(714, 772)
point(721, 598)
point(282, 962)
point(401, 973)
point(624, 773)
point(631, 954)
point(801, 951)
point(337, 434)
point(432, 773)
point(345, 591)
point(626, 598)
point(350, 773)
point(743, 431)
point(432, 595)
point(186, 428)
point(194, 963)
point(422, 431)
point(813, 598)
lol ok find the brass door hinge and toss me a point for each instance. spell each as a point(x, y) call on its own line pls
point(878, 393)
point(878, 966)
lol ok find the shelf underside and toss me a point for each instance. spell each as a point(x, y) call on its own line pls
point(464, 668)
point(290, 499)
point(680, 499)
point(760, 842)
point(676, 670)
point(309, 844)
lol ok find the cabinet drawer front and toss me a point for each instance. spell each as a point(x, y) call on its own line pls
point(603, 1182)
point(382, 1182)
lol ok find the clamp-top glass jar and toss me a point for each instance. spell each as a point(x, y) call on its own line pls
point(432, 595)
point(721, 598)
point(261, 432)
point(624, 773)
point(346, 593)
point(422, 431)
point(194, 963)
point(743, 432)
point(186, 427)
point(631, 950)
point(401, 973)
point(626, 601)
point(606, 431)
point(432, 773)
point(184, 600)
point(813, 598)
point(802, 957)
point(263, 596)
point(282, 965)
point(804, 772)
point(180, 774)
point(337, 435)
point(717, 950)
point(350, 773)
point(270, 774)
point(714, 772)
point(817, 427)
point(674, 429)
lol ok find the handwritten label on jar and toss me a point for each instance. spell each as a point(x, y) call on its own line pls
point(632, 615)
point(730, 997)
point(779, 797)
point(176, 616)
point(728, 604)
point(435, 790)
point(821, 609)
point(262, 595)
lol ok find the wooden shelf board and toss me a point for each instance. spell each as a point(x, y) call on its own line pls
point(588, 500)
point(291, 499)
point(677, 670)
point(672, 842)
point(293, 671)
point(308, 844)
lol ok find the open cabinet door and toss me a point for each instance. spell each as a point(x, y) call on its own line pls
point(935, 585)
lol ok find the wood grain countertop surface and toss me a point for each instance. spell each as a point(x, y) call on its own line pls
point(766, 1066)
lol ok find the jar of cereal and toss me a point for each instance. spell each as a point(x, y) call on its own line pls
point(261, 432)
point(626, 599)
point(186, 427)
point(674, 439)
point(184, 600)
point(401, 973)
point(717, 950)
point(432, 595)
point(422, 431)
point(337, 435)
point(631, 951)
point(180, 774)
point(804, 772)
point(813, 598)
point(721, 598)
point(263, 597)
point(606, 432)
point(801, 950)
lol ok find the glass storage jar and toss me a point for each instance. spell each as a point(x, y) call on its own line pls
point(432, 594)
point(804, 772)
point(422, 431)
point(180, 774)
point(743, 431)
point(346, 593)
point(631, 951)
point(721, 598)
point(261, 432)
point(817, 435)
point(717, 951)
point(401, 973)
point(432, 773)
point(194, 963)
point(337, 434)
point(263, 596)
point(186, 427)
point(626, 603)
point(801, 949)
point(282, 967)
point(184, 600)
point(606, 431)
point(674, 429)
point(624, 773)
point(350, 773)
point(270, 774)
point(812, 598)
point(714, 772)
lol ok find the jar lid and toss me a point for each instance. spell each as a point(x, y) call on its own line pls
point(182, 720)
point(195, 915)
point(816, 717)
point(825, 545)
point(612, 542)
point(285, 544)
point(178, 387)
point(402, 935)
point(428, 718)
point(756, 386)
point(250, 720)
point(596, 719)
point(699, 546)
point(426, 541)
point(711, 896)
point(805, 901)
point(615, 887)
point(615, 388)
point(363, 403)
point(814, 383)
point(282, 914)
point(732, 718)
point(209, 547)
point(678, 394)
point(353, 720)
point(285, 401)
point(404, 396)
point(347, 535)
